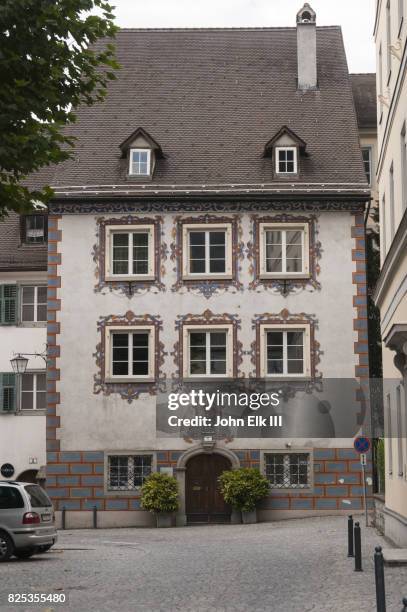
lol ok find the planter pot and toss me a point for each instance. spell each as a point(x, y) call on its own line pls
point(236, 517)
point(249, 518)
point(164, 519)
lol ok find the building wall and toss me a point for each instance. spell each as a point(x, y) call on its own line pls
point(391, 295)
point(22, 435)
point(84, 421)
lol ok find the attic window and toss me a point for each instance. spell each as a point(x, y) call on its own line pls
point(140, 162)
point(286, 160)
point(306, 17)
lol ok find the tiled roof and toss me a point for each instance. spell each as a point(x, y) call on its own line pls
point(364, 94)
point(15, 255)
point(212, 99)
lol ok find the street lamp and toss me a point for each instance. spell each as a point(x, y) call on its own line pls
point(19, 364)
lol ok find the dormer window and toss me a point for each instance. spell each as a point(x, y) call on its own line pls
point(286, 160)
point(141, 152)
point(286, 150)
point(140, 162)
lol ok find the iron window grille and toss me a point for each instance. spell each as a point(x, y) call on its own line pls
point(288, 470)
point(128, 472)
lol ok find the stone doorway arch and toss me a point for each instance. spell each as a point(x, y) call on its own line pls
point(180, 472)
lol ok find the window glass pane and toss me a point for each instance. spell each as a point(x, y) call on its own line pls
point(27, 382)
point(275, 338)
point(217, 266)
point(120, 354)
point(274, 237)
point(197, 367)
point(41, 400)
point(42, 313)
point(197, 339)
point(10, 497)
point(198, 353)
point(140, 253)
point(35, 228)
point(38, 497)
point(295, 366)
point(197, 238)
point(28, 313)
point(27, 400)
point(42, 295)
point(218, 352)
point(295, 338)
point(218, 367)
point(217, 238)
point(41, 382)
point(293, 237)
point(120, 253)
point(140, 354)
point(28, 295)
point(118, 472)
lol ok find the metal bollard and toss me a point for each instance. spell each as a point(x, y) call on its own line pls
point(63, 517)
point(404, 605)
point(379, 579)
point(95, 517)
point(358, 548)
point(350, 536)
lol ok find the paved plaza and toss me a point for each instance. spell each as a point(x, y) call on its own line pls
point(289, 566)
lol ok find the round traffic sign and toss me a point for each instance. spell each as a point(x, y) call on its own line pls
point(361, 444)
point(7, 470)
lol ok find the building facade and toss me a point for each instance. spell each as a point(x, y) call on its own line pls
point(210, 228)
point(23, 321)
point(391, 291)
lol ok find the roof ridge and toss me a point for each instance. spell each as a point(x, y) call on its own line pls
point(223, 29)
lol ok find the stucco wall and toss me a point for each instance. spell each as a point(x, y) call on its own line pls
point(94, 422)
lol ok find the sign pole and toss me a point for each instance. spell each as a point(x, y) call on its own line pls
point(364, 494)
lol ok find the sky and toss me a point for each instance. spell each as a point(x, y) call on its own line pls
point(355, 16)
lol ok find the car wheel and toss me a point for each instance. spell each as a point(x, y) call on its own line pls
point(24, 553)
point(6, 547)
point(44, 549)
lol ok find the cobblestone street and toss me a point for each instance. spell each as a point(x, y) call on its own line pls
point(283, 566)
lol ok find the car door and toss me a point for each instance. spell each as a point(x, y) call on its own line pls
point(12, 508)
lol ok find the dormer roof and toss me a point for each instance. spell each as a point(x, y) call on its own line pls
point(284, 131)
point(140, 133)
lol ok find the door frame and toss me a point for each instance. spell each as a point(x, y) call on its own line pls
point(179, 472)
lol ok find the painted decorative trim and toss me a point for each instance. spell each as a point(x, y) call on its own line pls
point(131, 390)
point(99, 255)
point(209, 287)
point(207, 318)
point(292, 285)
point(286, 318)
point(224, 206)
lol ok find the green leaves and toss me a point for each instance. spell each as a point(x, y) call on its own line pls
point(243, 488)
point(159, 493)
point(54, 56)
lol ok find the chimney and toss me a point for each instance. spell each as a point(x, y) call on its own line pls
point(307, 48)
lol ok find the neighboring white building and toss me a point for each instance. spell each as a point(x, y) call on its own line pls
point(23, 314)
point(391, 291)
point(210, 227)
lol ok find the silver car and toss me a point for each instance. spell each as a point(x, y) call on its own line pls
point(27, 521)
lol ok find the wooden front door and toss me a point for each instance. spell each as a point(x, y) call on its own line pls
point(204, 502)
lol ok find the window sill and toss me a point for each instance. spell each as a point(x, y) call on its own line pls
point(125, 493)
point(140, 178)
point(128, 380)
point(289, 276)
point(31, 412)
point(278, 377)
point(33, 324)
point(198, 277)
point(131, 279)
point(209, 378)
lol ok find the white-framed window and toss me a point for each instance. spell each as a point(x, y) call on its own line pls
point(286, 160)
point(128, 472)
point(33, 395)
point(284, 250)
point(130, 353)
point(140, 162)
point(285, 351)
point(288, 470)
point(367, 163)
point(130, 252)
point(33, 303)
point(207, 250)
point(208, 351)
point(35, 229)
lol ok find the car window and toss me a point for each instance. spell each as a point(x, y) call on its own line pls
point(38, 497)
point(10, 497)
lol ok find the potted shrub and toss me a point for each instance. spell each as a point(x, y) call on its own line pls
point(243, 489)
point(159, 494)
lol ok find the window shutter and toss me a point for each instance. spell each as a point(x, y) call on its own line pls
point(8, 304)
point(8, 392)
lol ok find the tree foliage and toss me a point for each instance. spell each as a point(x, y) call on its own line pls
point(50, 63)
